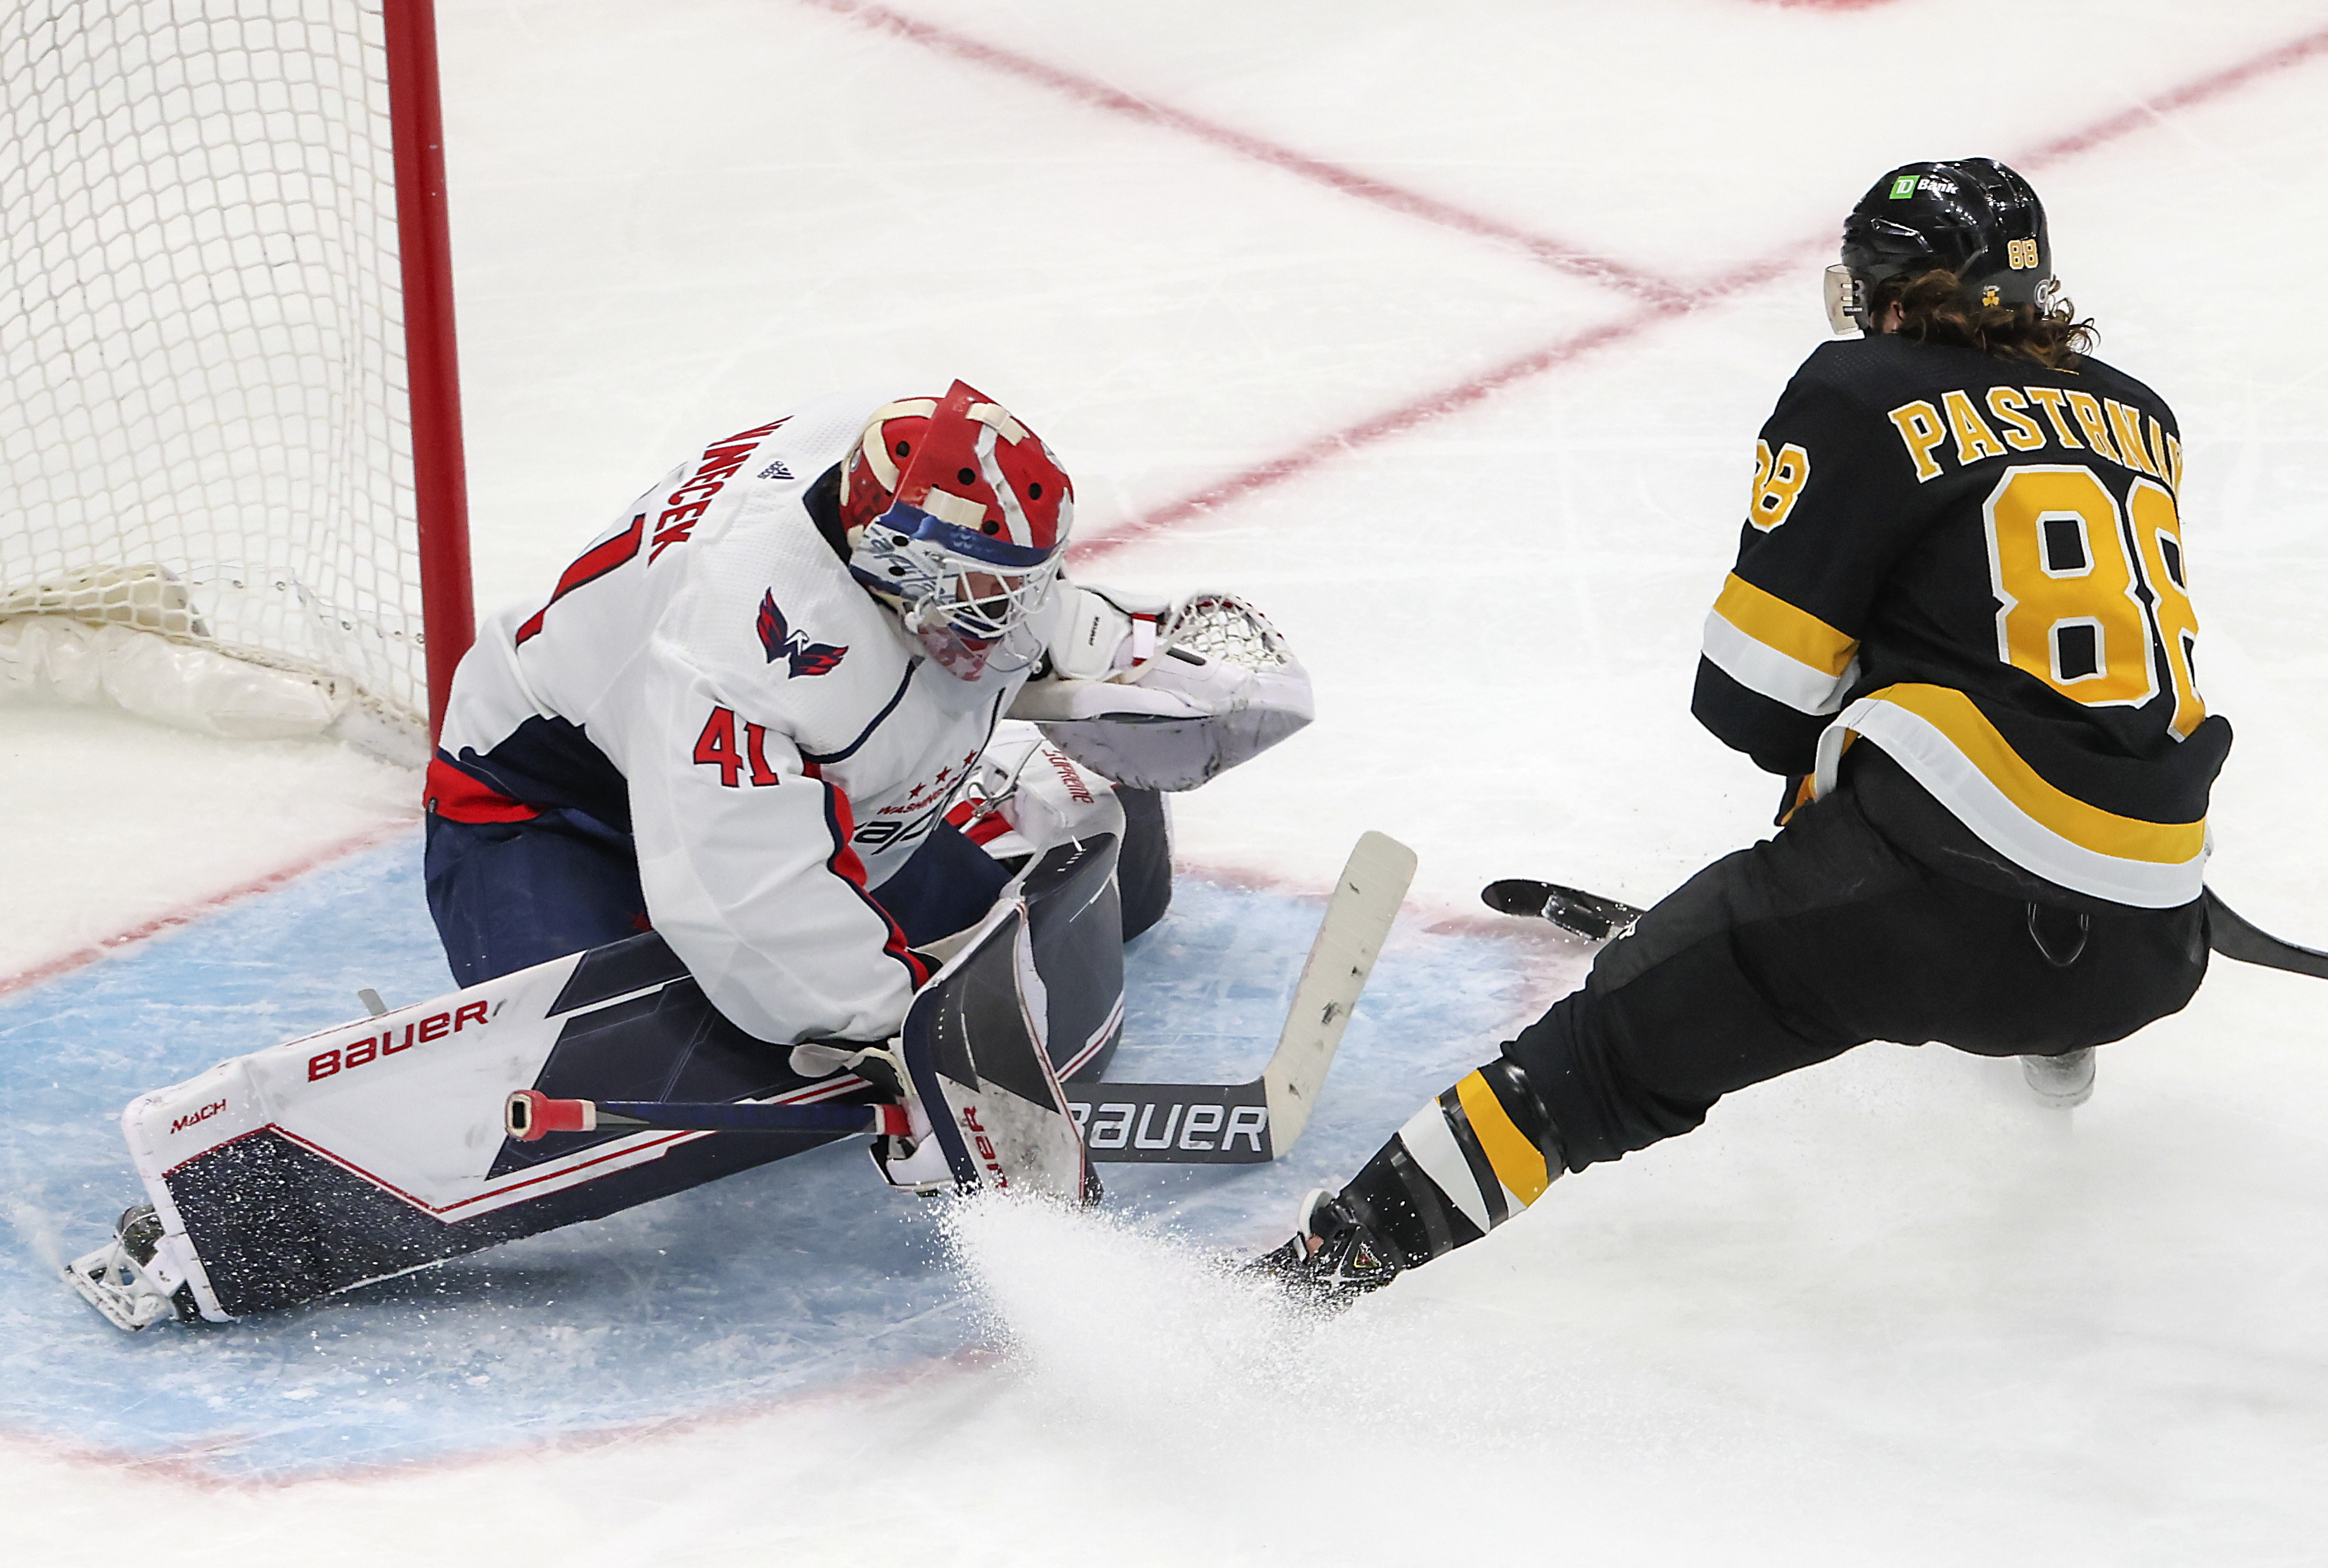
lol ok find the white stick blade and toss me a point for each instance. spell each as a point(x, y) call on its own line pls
point(1358, 920)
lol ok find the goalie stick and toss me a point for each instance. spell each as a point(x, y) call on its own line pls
point(1597, 918)
point(1176, 1123)
point(531, 1116)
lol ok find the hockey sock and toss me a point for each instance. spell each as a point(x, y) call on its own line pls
point(1461, 1165)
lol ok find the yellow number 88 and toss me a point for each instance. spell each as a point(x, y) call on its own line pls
point(2071, 613)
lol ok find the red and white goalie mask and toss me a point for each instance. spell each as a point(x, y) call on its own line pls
point(959, 515)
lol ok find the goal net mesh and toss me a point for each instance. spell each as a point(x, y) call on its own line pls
point(204, 426)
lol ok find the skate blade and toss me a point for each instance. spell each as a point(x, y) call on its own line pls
point(2059, 1082)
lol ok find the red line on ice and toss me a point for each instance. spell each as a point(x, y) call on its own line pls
point(1556, 254)
point(196, 1466)
point(1431, 405)
point(2150, 111)
point(1438, 404)
point(188, 913)
point(1365, 432)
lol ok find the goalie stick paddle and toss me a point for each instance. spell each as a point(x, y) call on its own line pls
point(1258, 1120)
point(1151, 1123)
point(1596, 919)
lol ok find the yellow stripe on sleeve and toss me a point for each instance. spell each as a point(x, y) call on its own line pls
point(1772, 622)
point(1520, 1164)
point(1967, 729)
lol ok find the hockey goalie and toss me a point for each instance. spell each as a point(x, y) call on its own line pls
point(812, 793)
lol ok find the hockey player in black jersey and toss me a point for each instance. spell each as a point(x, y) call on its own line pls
point(1959, 627)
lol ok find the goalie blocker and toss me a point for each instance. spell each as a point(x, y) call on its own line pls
point(377, 1148)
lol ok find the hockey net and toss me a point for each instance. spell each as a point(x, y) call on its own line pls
point(205, 429)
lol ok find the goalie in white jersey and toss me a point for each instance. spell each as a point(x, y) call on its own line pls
point(760, 715)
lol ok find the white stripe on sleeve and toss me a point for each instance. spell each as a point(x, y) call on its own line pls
point(1759, 667)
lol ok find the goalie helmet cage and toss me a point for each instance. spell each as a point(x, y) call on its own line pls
point(231, 416)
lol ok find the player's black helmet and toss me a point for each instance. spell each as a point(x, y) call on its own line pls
point(1971, 216)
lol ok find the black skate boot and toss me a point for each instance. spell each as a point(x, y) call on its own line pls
point(1331, 1259)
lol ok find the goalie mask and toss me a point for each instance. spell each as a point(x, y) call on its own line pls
point(958, 515)
point(1971, 216)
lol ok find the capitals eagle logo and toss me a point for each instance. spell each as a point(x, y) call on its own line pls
point(803, 657)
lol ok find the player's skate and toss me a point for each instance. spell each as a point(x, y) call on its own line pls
point(124, 1281)
point(1331, 1259)
point(2063, 1082)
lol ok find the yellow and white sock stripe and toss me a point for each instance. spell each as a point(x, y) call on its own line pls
point(1466, 1144)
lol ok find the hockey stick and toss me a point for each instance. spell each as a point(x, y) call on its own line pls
point(1596, 918)
point(1573, 910)
point(2230, 935)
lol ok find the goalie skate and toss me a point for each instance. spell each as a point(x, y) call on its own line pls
point(133, 1279)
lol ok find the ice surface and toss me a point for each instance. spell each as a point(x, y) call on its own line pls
point(113, 822)
point(803, 1276)
point(1884, 1311)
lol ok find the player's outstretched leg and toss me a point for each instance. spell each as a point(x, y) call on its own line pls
point(1466, 1162)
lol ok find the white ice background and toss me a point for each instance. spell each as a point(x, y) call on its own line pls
point(1881, 1311)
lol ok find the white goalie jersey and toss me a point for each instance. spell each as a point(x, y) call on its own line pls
point(708, 678)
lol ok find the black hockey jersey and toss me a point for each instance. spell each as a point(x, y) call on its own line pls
point(1976, 564)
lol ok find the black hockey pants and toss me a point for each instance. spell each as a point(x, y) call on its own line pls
point(1828, 936)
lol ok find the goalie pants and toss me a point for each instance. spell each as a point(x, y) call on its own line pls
point(1838, 931)
point(509, 895)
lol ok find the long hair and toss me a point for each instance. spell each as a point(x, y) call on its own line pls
point(1935, 308)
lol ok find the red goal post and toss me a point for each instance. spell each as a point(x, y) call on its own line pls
point(229, 411)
